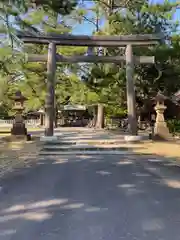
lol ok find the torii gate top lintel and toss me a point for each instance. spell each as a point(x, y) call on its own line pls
point(84, 40)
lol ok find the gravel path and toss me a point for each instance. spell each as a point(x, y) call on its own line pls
point(88, 198)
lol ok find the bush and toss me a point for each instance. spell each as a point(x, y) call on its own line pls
point(174, 125)
point(115, 111)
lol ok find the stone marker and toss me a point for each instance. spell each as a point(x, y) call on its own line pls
point(161, 130)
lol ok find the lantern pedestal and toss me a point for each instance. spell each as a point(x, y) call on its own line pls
point(19, 129)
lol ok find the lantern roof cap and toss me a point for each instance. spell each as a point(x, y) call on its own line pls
point(18, 96)
point(160, 96)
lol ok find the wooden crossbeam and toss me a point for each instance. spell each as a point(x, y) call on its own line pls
point(90, 59)
point(83, 40)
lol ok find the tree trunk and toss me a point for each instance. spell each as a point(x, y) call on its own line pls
point(41, 119)
point(100, 116)
point(56, 118)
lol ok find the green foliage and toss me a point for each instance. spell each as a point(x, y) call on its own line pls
point(137, 17)
point(62, 7)
point(13, 15)
point(31, 78)
point(174, 126)
point(115, 111)
point(34, 74)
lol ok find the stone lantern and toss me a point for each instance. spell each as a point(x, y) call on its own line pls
point(19, 128)
point(161, 130)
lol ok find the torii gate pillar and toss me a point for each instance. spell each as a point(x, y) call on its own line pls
point(50, 103)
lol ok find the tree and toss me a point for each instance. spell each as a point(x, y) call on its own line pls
point(31, 77)
point(139, 17)
point(13, 17)
point(35, 73)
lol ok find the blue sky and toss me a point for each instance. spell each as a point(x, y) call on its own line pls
point(87, 28)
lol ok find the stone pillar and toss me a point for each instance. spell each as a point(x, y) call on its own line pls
point(161, 130)
point(50, 104)
point(131, 102)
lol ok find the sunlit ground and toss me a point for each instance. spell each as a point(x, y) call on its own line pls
point(5, 131)
point(39, 211)
point(16, 153)
point(165, 149)
point(94, 192)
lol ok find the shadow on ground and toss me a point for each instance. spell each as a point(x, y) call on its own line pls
point(89, 197)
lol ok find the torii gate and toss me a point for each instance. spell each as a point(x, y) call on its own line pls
point(127, 41)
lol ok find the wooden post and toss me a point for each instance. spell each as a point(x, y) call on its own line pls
point(50, 108)
point(100, 116)
point(131, 102)
point(41, 119)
